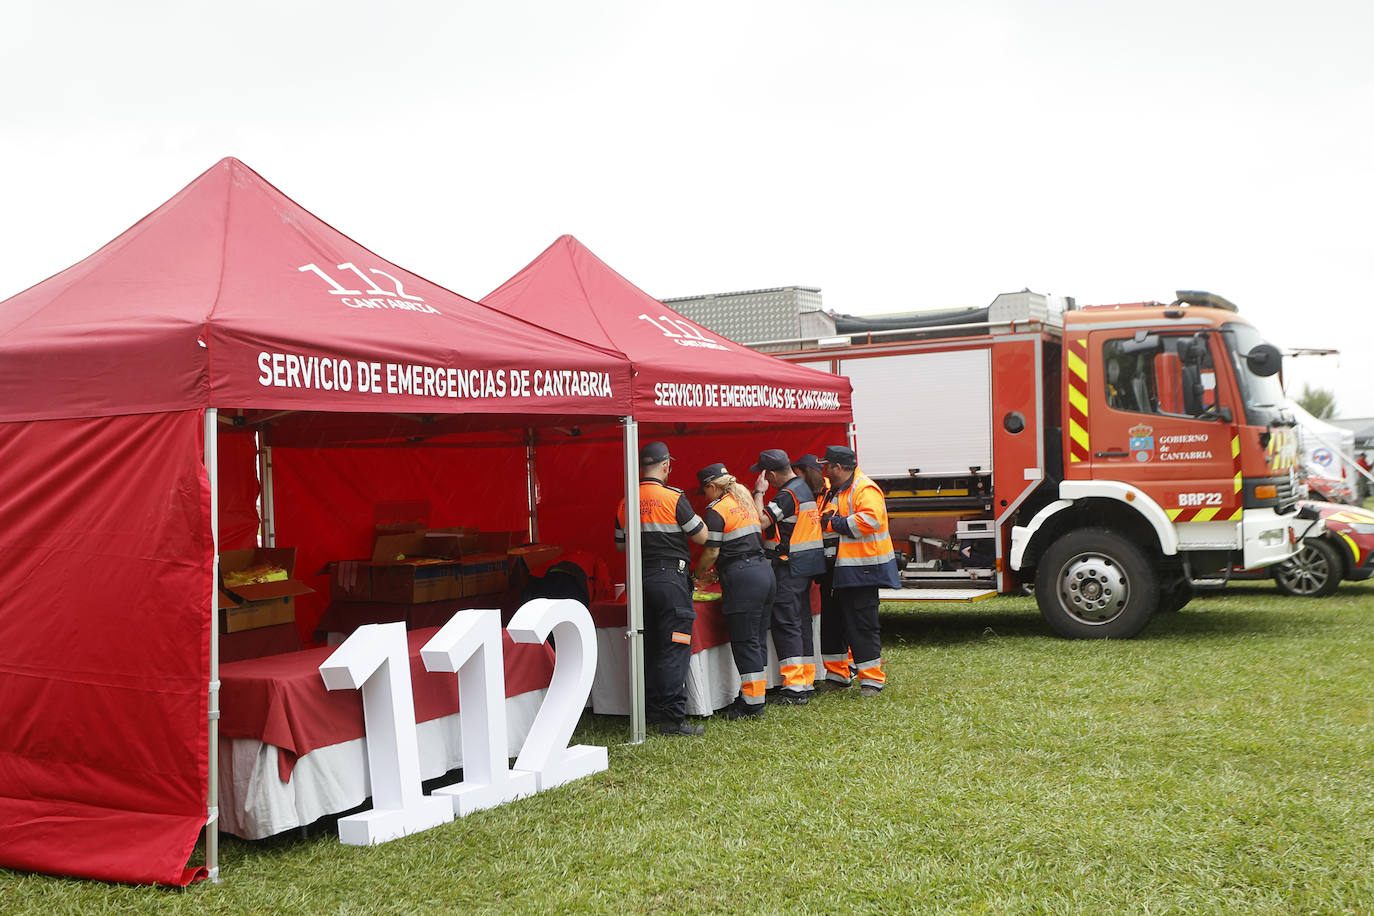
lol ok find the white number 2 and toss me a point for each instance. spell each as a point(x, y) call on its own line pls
point(546, 751)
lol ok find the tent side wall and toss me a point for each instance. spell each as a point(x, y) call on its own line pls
point(105, 558)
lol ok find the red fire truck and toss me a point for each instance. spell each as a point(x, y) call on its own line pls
point(1109, 457)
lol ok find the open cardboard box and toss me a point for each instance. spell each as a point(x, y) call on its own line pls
point(265, 604)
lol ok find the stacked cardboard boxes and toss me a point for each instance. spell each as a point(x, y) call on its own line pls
point(424, 564)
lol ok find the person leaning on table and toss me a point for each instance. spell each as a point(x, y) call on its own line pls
point(864, 563)
point(792, 540)
point(666, 523)
point(734, 545)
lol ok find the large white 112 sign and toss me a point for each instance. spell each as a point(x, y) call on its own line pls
point(376, 659)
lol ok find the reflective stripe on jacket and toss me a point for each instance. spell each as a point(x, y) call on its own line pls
point(797, 537)
point(733, 529)
point(864, 554)
point(666, 520)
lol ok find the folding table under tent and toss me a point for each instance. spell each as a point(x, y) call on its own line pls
point(231, 307)
point(711, 398)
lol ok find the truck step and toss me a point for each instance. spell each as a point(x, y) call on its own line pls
point(935, 594)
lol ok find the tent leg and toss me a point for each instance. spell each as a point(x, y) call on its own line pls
point(531, 487)
point(269, 496)
point(212, 785)
point(634, 582)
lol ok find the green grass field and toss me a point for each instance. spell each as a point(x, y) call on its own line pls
point(1223, 762)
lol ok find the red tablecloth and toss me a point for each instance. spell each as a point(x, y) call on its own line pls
point(346, 616)
point(708, 630)
point(281, 699)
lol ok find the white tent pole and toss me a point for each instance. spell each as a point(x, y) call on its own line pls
point(212, 785)
point(634, 582)
point(269, 496)
point(853, 437)
point(531, 487)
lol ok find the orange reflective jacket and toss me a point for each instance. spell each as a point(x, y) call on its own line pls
point(797, 538)
point(864, 554)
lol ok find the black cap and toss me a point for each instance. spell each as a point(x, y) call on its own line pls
point(771, 459)
point(710, 473)
point(839, 454)
point(653, 453)
point(807, 461)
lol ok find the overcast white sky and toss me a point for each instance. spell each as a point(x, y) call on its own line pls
point(899, 155)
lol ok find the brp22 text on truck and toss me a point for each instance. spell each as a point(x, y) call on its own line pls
point(1112, 456)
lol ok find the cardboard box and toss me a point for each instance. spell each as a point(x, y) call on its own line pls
point(536, 555)
point(406, 567)
point(485, 562)
point(265, 604)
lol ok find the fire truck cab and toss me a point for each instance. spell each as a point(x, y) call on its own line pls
point(1109, 457)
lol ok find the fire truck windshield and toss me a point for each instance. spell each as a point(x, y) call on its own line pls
point(1263, 395)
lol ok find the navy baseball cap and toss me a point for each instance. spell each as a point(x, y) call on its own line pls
point(771, 459)
point(653, 453)
point(710, 473)
point(839, 454)
point(807, 461)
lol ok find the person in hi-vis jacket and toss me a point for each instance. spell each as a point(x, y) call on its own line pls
point(864, 563)
point(666, 522)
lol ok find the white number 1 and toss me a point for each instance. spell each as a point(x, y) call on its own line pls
point(376, 659)
point(470, 644)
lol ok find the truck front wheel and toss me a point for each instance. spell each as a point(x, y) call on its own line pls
point(1095, 584)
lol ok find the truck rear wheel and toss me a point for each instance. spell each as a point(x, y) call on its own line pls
point(1095, 584)
point(1314, 573)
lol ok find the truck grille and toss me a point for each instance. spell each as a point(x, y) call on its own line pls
point(1288, 490)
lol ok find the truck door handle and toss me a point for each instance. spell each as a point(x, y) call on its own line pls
point(1110, 454)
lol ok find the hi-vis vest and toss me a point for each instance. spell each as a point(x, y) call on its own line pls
point(661, 536)
point(797, 538)
point(742, 536)
point(864, 555)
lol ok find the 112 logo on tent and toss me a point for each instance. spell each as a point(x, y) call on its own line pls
point(377, 298)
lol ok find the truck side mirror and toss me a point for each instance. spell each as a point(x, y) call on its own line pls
point(1264, 360)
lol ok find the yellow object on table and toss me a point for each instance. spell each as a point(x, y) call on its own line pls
point(255, 575)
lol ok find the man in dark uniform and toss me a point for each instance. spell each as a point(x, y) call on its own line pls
point(666, 521)
point(792, 539)
point(811, 470)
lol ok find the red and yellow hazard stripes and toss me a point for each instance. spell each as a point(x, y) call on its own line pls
point(1282, 451)
point(1224, 511)
point(1351, 515)
point(1235, 466)
point(1076, 355)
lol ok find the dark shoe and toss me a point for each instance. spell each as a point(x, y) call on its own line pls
point(790, 698)
point(741, 710)
point(869, 691)
point(828, 686)
point(683, 729)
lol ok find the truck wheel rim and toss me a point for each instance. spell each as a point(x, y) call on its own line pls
point(1306, 573)
point(1093, 589)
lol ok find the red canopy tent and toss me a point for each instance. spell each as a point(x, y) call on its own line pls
point(230, 307)
point(711, 398)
